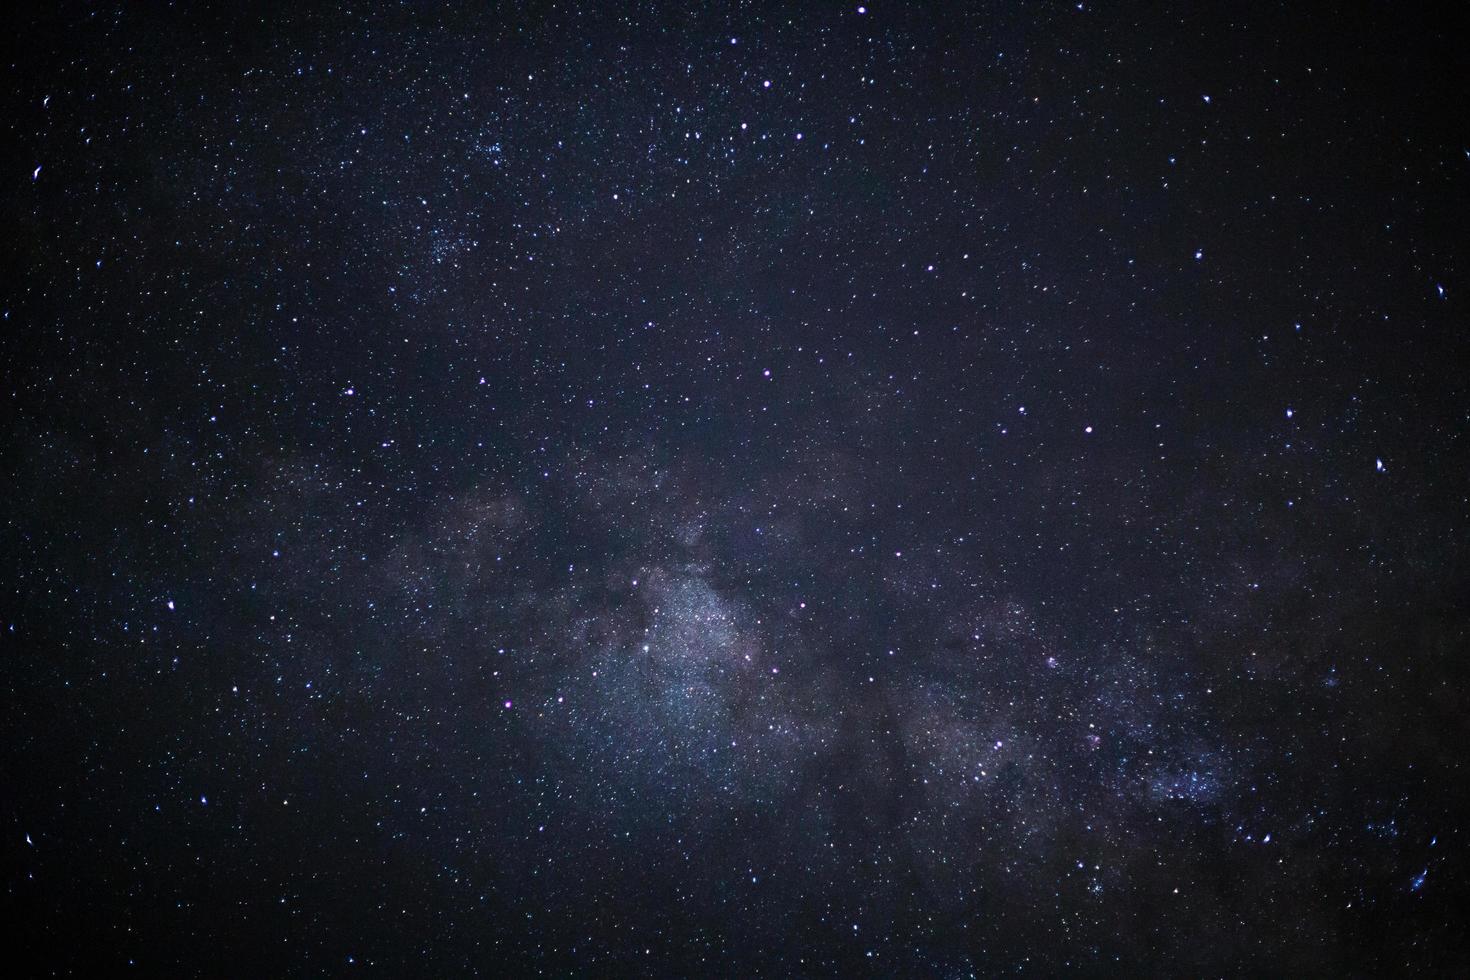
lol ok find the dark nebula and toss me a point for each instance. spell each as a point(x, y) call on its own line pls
point(596, 489)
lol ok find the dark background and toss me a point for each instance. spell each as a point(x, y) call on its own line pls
point(481, 494)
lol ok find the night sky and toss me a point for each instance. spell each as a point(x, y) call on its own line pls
point(767, 490)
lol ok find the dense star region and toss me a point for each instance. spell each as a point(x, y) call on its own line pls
point(762, 490)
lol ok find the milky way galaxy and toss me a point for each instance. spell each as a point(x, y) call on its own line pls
point(935, 490)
